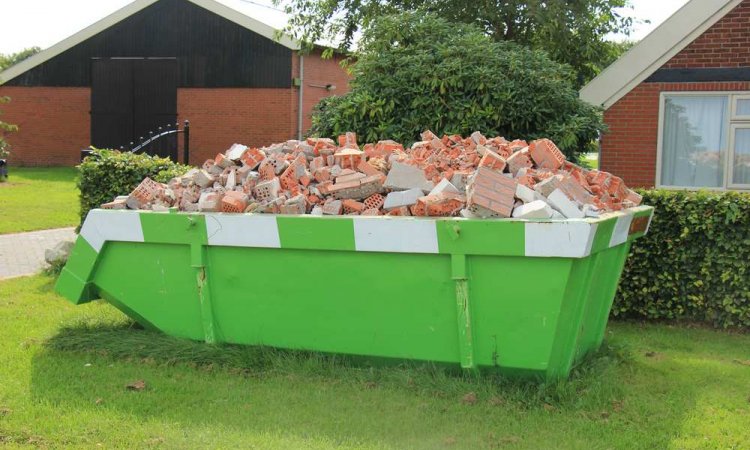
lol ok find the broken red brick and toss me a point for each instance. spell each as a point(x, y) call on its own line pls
point(351, 206)
point(491, 194)
point(233, 202)
point(374, 201)
point(518, 161)
point(492, 160)
point(546, 154)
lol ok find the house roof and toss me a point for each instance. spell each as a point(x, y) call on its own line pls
point(655, 50)
point(240, 13)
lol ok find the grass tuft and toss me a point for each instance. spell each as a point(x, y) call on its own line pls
point(126, 341)
point(66, 371)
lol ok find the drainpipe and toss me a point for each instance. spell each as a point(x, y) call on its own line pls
point(301, 95)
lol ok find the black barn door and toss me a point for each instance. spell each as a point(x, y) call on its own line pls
point(131, 97)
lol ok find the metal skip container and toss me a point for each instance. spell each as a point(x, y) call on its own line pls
point(525, 297)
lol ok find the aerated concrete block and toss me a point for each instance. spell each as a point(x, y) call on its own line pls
point(536, 209)
point(558, 200)
point(403, 177)
point(398, 199)
point(444, 186)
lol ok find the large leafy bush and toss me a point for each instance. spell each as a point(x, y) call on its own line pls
point(415, 72)
point(694, 264)
point(107, 174)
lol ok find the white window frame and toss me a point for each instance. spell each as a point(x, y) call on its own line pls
point(735, 102)
point(733, 120)
point(730, 156)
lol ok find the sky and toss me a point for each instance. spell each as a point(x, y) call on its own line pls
point(28, 23)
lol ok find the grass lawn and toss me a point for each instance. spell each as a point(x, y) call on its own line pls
point(38, 199)
point(65, 368)
point(591, 160)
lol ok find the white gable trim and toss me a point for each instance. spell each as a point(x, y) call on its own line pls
point(655, 50)
point(127, 11)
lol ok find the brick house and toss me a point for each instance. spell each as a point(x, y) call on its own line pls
point(156, 62)
point(678, 103)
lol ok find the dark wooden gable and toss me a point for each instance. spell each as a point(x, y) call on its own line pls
point(211, 50)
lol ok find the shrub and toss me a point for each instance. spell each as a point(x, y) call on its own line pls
point(417, 71)
point(107, 174)
point(5, 129)
point(695, 262)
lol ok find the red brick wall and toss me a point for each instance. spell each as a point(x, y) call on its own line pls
point(629, 148)
point(54, 124)
point(319, 72)
point(220, 117)
point(726, 44)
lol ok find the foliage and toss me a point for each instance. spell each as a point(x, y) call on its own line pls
point(573, 32)
point(417, 72)
point(5, 129)
point(109, 173)
point(695, 262)
point(15, 58)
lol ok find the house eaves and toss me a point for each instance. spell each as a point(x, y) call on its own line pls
point(655, 50)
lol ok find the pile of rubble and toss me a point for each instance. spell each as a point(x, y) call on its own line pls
point(452, 176)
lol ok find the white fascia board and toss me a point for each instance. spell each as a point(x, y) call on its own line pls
point(74, 40)
point(127, 11)
point(248, 22)
point(655, 50)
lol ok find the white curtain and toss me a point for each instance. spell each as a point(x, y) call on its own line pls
point(741, 172)
point(694, 141)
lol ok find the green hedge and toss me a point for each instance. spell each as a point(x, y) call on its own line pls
point(695, 262)
point(108, 173)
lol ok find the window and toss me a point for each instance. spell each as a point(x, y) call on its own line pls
point(705, 141)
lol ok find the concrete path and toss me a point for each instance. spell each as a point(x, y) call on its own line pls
point(23, 253)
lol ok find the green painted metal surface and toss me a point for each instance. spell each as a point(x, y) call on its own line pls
point(479, 294)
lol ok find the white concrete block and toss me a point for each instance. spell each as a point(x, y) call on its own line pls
point(536, 209)
point(403, 177)
point(444, 186)
point(558, 200)
point(398, 199)
point(236, 151)
point(526, 194)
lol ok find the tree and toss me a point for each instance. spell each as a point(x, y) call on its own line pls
point(15, 58)
point(571, 31)
point(418, 71)
point(5, 128)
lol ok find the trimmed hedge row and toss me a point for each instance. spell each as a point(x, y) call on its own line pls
point(695, 262)
point(109, 173)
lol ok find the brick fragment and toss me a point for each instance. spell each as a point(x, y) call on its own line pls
point(253, 157)
point(210, 202)
point(267, 191)
point(493, 161)
point(236, 152)
point(351, 206)
point(374, 201)
point(518, 161)
point(546, 155)
point(144, 193)
point(490, 194)
point(332, 208)
point(368, 169)
point(233, 202)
